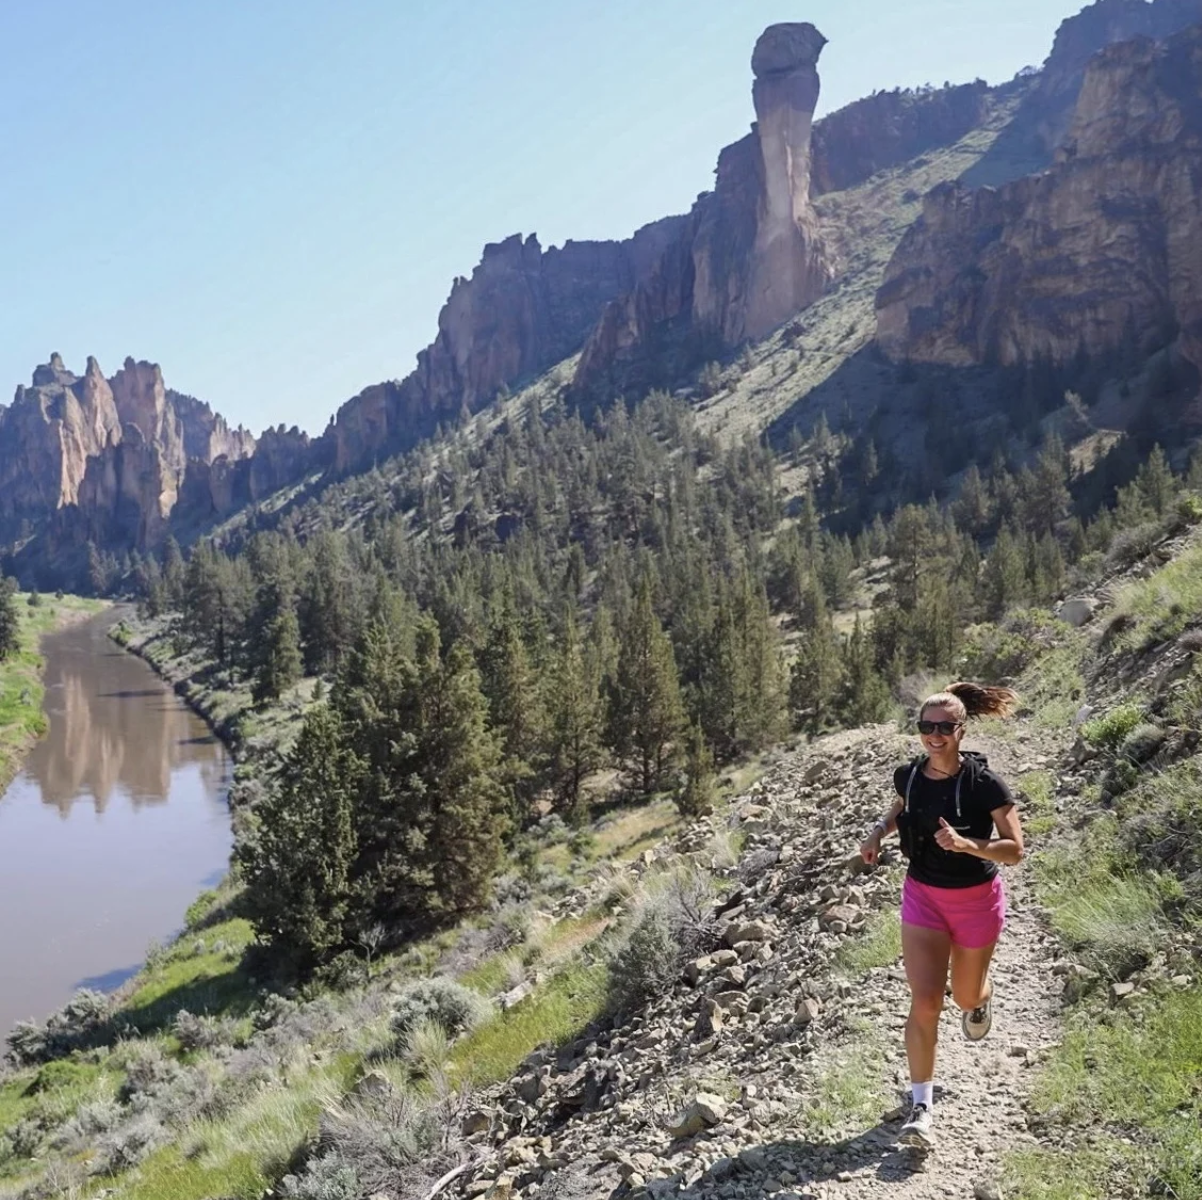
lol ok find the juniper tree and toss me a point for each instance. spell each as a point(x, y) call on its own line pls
point(696, 796)
point(299, 848)
point(432, 808)
point(10, 619)
point(574, 734)
point(646, 714)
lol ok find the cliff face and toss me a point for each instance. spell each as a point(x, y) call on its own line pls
point(523, 310)
point(1079, 38)
point(750, 254)
point(118, 460)
point(1103, 249)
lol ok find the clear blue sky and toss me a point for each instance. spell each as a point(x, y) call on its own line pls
point(271, 197)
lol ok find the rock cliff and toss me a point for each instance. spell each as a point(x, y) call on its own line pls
point(118, 461)
point(749, 255)
point(1102, 250)
point(1079, 38)
point(523, 310)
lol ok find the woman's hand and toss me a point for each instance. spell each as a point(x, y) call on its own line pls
point(948, 839)
point(870, 851)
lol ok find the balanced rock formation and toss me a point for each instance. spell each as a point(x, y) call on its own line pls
point(1104, 249)
point(749, 255)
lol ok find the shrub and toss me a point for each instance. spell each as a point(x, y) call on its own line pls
point(326, 1178)
point(343, 972)
point(456, 1008)
point(90, 1120)
point(398, 1143)
point(82, 1021)
point(1189, 508)
point(34, 601)
point(510, 928)
point(200, 1033)
point(128, 1145)
point(647, 961)
point(148, 1071)
point(21, 1140)
point(1142, 743)
point(1108, 731)
point(1131, 545)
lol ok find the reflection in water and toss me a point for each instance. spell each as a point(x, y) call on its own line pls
point(117, 821)
point(99, 738)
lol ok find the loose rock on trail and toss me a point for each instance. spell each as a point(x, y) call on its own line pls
point(774, 1067)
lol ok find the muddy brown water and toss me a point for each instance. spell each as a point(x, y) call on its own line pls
point(116, 822)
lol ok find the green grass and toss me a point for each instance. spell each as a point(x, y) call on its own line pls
point(208, 981)
point(560, 1010)
point(1133, 1077)
point(491, 976)
point(1038, 804)
point(52, 1094)
point(1101, 904)
point(846, 1095)
point(243, 1155)
point(878, 946)
point(21, 691)
point(1053, 688)
point(1163, 605)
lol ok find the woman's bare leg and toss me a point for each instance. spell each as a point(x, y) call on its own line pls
point(970, 975)
point(926, 953)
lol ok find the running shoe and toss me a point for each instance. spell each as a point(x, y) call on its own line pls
point(977, 1023)
point(917, 1129)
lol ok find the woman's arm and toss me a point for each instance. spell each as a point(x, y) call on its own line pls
point(1006, 849)
point(871, 848)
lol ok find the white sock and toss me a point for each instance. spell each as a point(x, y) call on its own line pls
point(924, 1093)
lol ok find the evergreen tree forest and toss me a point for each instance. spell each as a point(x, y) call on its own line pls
point(531, 600)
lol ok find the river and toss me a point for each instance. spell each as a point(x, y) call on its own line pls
point(117, 820)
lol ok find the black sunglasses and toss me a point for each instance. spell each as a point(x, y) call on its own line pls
point(947, 728)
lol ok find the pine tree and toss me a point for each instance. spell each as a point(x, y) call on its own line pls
point(972, 506)
point(10, 619)
point(297, 855)
point(696, 797)
point(173, 574)
point(646, 714)
point(863, 694)
point(814, 676)
point(761, 698)
point(510, 684)
point(575, 719)
point(275, 640)
point(1156, 482)
point(1003, 580)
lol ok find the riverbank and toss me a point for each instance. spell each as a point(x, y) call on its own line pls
point(253, 735)
point(22, 721)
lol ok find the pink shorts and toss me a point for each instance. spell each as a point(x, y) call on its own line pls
point(973, 916)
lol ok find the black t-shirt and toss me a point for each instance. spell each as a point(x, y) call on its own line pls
point(981, 793)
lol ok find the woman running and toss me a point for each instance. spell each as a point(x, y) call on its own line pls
point(949, 804)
